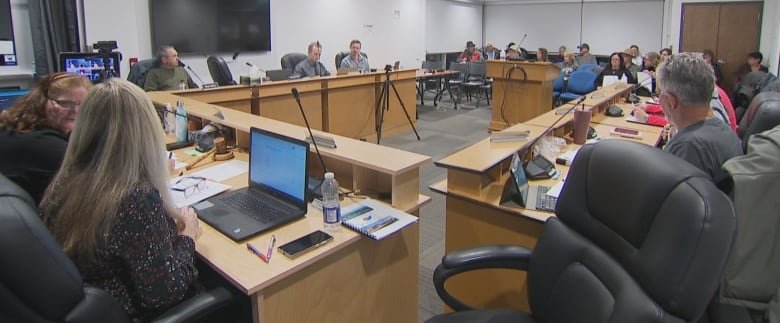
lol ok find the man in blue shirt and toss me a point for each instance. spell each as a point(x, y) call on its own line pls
point(311, 66)
point(356, 59)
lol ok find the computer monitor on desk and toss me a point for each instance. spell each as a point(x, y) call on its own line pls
point(89, 65)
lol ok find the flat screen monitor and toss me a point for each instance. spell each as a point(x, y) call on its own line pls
point(211, 26)
point(7, 46)
point(88, 64)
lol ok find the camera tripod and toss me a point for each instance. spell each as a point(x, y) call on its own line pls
point(383, 104)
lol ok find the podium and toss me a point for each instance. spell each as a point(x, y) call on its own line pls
point(521, 91)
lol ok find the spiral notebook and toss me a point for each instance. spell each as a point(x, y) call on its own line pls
point(375, 219)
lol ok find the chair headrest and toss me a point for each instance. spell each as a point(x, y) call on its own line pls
point(657, 215)
point(34, 266)
point(762, 114)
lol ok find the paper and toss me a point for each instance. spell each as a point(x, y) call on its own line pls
point(569, 155)
point(6, 47)
point(375, 219)
point(609, 80)
point(224, 171)
point(642, 79)
point(209, 189)
point(555, 190)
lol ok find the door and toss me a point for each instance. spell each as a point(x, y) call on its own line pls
point(731, 30)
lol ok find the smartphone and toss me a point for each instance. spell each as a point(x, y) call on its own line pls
point(303, 244)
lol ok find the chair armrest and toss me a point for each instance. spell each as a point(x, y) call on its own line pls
point(198, 306)
point(486, 257)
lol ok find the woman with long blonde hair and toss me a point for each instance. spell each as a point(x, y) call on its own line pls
point(109, 206)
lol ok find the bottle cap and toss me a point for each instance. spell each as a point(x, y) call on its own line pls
point(329, 175)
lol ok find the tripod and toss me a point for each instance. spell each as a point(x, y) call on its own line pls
point(384, 101)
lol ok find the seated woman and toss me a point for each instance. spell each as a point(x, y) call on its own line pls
point(34, 132)
point(616, 68)
point(569, 63)
point(110, 209)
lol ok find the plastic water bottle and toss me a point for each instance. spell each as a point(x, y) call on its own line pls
point(182, 86)
point(181, 122)
point(331, 210)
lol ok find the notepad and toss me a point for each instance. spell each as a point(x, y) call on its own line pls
point(375, 219)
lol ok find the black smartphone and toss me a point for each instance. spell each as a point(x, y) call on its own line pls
point(303, 244)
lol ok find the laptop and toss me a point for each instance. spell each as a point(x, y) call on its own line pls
point(346, 70)
point(517, 190)
point(276, 194)
point(279, 75)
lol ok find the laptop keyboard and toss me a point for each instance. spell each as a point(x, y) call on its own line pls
point(545, 202)
point(259, 209)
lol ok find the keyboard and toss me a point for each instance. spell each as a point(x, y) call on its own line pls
point(545, 202)
point(263, 210)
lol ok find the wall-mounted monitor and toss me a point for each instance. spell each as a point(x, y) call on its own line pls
point(7, 47)
point(211, 26)
point(88, 64)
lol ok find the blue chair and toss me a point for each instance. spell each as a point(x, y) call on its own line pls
point(581, 82)
point(595, 68)
point(558, 89)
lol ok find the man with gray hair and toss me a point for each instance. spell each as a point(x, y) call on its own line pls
point(167, 74)
point(311, 66)
point(686, 83)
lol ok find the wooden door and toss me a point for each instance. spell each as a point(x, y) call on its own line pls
point(731, 30)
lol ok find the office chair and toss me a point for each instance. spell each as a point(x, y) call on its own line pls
point(762, 114)
point(581, 82)
point(617, 251)
point(289, 61)
point(39, 283)
point(219, 70)
point(138, 71)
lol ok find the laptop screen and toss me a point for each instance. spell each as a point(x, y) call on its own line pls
point(278, 164)
point(521, 181)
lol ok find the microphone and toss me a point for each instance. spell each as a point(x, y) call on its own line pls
point(633, 98)
point(522, 40)
point(314, 183)
point(204, 85)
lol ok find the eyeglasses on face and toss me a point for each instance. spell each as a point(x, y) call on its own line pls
point(189, 185)
point(65, 104)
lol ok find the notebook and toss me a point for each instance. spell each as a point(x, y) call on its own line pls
point(276, 194)
point(375, 219)
point(518, 190)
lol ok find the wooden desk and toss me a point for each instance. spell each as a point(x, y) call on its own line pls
point(352, 279)
point(517, 98)
point(475, 179)
point(344, 105)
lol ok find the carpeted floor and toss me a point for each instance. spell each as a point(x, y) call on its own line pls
point(443, 131)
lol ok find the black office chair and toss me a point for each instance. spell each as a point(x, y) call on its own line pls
point(640, 236)
point(289, 61)
point(762, 114)
point(219, 70)
point(138, 71)
point(39, 283)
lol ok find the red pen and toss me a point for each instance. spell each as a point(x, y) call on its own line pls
point(257, 252)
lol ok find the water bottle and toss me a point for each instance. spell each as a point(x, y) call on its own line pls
point(181, 122)
point(170, 119)
point(182, 86)
point(331, 210)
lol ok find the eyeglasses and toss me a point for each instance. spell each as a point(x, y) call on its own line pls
point(65, 104)
point(189, 185)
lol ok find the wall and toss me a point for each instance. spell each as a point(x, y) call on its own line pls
point(449, 25)
point(390, 31)
point(608, 26)
point(770, 32)
point(21, 74)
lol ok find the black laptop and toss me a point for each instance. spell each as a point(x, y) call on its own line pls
point(518, 191)
point(278, 175)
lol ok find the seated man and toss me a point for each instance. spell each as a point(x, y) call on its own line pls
point(311, 66)
point(356, 59)
point(686, 84)
point(168, 75)
point(585, 56)
point(471, 54)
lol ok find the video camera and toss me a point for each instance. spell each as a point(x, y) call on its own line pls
point(105, 47)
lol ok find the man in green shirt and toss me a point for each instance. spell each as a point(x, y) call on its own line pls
point(167, 75)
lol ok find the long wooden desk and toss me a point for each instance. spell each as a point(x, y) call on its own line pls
point(344, 105)
point(352, 279)
point(474, 216)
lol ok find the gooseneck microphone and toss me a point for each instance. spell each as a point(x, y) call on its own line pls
point(196, 74)
point(522, 40)
point(297, 96)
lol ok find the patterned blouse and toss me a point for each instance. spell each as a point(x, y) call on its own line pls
point(145, 264)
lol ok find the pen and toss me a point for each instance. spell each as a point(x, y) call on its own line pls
point(271, 248)
point(170, 154)
point(257, 252)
